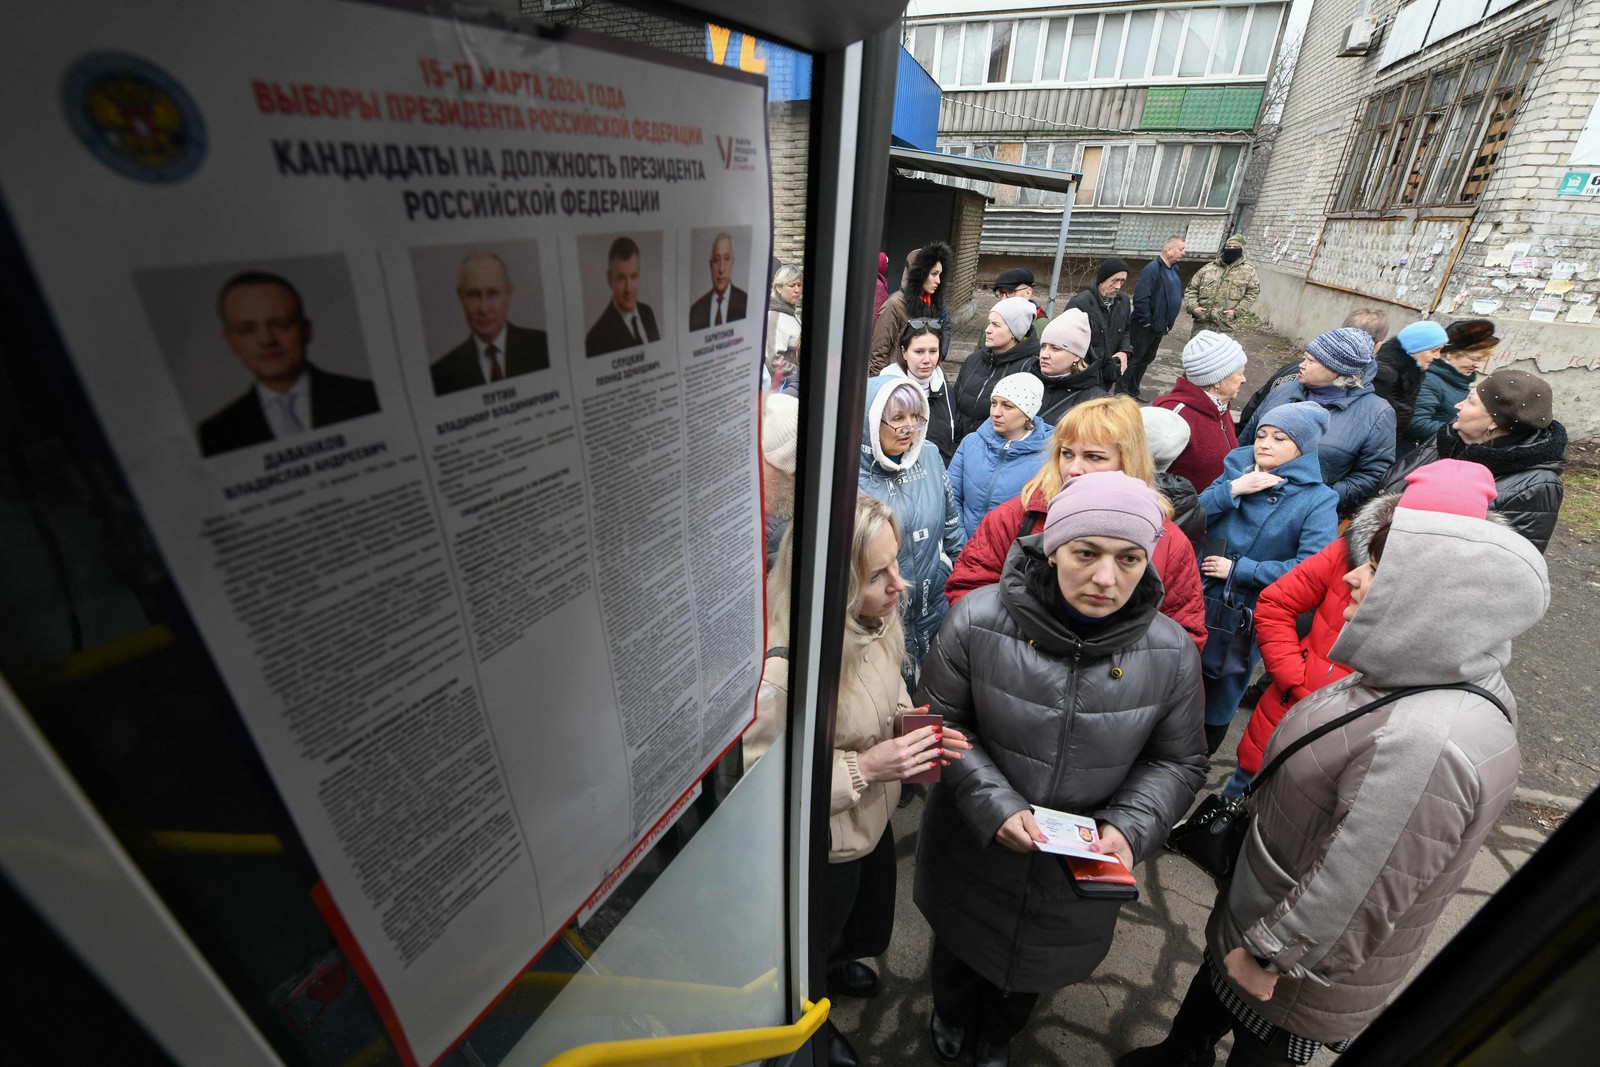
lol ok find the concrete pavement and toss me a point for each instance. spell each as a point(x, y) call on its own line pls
point(1133, 994)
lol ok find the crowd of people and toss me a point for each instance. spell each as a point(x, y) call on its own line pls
point(1058, 570)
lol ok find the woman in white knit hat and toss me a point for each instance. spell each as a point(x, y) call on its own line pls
point(1213, 372)
point(1009, 342)
point(1063, 365)
point(992, 464)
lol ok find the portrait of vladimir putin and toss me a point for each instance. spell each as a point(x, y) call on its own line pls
point(495, 348)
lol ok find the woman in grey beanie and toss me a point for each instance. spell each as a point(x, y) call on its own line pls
point(1358, 448)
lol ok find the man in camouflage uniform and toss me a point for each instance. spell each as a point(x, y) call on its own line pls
point(1222, 293)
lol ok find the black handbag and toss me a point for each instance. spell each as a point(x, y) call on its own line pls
point(1214, 835)
point(1230, 632)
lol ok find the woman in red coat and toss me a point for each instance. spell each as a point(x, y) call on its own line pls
point(1106, 434)
point(1299, 666)
point(1213, 373)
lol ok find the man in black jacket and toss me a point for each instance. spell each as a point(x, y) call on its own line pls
point(1157, 299)
point(1109, 311)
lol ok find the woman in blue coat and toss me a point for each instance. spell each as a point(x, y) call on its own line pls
point(1358, 448)
point(995, 460)
point(1273, 510)
point(911, 479)
point(1443, 387)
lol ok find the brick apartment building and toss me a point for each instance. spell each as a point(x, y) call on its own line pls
point(1438, 168)
point(1156, 103)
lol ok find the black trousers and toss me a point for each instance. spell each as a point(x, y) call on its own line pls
point(1203, 1020)
point(1144, 342)
point(858, 903)
point(965, 998)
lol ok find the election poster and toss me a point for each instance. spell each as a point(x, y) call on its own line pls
point(430, 350)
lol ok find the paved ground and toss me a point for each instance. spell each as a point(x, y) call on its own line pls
point(1129, 1000)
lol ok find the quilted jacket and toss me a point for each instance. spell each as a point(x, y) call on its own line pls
point(981, 562)
point(1050, 724)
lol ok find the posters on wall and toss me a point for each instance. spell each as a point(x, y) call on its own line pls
point(429, 350)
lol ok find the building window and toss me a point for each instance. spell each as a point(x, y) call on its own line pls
point(1235, 41)
point(1142, 174)
point(1433, 140)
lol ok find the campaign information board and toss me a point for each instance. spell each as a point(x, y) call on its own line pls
point(430, 350)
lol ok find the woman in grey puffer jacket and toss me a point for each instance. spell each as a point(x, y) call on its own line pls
point(1360, 841)
point(1077, 694)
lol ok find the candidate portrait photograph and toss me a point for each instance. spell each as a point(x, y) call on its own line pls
point(498, 314)
point(718, 256)
point(261, 352)
point(621, 274)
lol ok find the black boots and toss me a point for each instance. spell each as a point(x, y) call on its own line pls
point(948, 1039)
point(1215, 735)
point(987, 1055)
point(1172, 1052)
point(852, 979)
point(840, 1052)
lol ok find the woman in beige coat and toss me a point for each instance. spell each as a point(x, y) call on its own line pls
point(869, 761)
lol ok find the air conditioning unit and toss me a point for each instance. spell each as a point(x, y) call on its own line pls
point(1358, 38)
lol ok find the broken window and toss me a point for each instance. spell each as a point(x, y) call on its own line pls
point(1434, 140)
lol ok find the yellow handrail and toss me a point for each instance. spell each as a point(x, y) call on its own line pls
point(725, 1048)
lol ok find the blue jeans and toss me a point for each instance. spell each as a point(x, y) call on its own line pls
point(1236, 785)
point(1222, 694)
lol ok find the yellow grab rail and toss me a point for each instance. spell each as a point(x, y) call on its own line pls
point(725, 1048)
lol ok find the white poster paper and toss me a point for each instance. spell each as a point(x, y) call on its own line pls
point(430, 351)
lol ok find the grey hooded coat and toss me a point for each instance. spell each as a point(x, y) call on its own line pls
point(1361, 838)
point(1050, 725)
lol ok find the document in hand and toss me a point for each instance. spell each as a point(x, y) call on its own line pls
point(1096, 875)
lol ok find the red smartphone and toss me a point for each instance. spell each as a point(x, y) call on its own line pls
point(915, 719)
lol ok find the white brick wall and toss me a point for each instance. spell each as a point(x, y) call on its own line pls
point(1519, 205)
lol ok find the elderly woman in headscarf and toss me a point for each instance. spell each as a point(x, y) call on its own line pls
point(899, 470)
point(1357, 448)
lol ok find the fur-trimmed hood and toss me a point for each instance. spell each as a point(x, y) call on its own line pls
point(1372, 517)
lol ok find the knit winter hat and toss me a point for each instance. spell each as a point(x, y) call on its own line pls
point(1167, 434)
point(1421, 336)
point(1346, 350)
point(1069, 330)
point(1516, 399)
point(1453, 486)
point(1108, 267)
point(1017, 313)
point(780, 430)
point(1304, 422)
point(1236, 239)
point(1210, 357)
point(1104, 504)
point(1024, 390)
point(1012, 278)
point(1471, 335)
